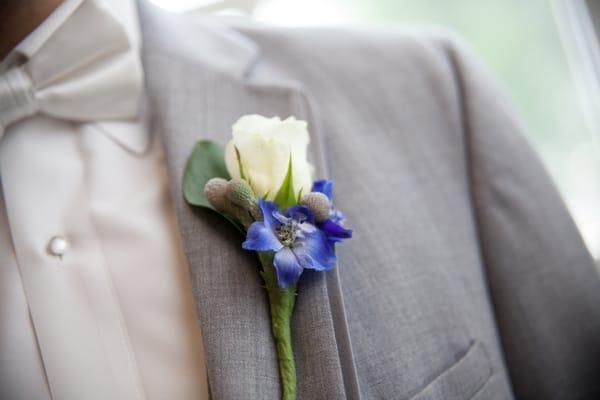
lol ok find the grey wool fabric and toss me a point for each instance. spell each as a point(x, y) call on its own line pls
point(465, 279)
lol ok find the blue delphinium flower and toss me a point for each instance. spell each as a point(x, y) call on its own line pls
point(295, 240)
point(333, 227)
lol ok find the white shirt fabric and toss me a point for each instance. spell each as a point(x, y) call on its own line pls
point(113, 317)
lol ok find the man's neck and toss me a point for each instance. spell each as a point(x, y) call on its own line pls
point(19, 18)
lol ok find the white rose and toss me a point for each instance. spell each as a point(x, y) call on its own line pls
point(265, 146)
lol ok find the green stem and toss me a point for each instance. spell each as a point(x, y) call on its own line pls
point(281, 302)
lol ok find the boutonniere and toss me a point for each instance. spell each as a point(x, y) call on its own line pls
point(262, 183)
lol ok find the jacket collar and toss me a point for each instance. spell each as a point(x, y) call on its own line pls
point(213, 47)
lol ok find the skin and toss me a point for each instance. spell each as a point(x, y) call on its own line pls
point(19, 18)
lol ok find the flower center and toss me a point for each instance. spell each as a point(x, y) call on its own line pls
point(288, 232)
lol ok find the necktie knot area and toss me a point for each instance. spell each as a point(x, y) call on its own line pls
point(17, 98)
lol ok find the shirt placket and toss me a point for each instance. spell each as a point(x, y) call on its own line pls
point(74, 309)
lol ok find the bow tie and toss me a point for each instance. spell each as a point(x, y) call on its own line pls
point(78, 74)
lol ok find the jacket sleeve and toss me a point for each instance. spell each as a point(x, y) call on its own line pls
point(543, 282)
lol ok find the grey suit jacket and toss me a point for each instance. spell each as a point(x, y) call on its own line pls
point(466, 278)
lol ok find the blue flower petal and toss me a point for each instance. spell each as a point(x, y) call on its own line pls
point(337, 216)
point(305, 228)
point(324, 186)
point(315, 251)
point(269, 209)
point(300, 214)
point(261, 238)
point(287, 267)
point(282, 219)
point(335, 231)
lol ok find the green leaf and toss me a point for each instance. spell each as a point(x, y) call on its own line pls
point(239, 159)
point(285, 196)
point(206, 161)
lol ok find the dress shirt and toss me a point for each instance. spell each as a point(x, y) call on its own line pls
point(95, 297)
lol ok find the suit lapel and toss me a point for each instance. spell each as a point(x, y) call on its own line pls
point(196, 77)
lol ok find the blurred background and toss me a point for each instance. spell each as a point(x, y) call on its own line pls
point(544, 52)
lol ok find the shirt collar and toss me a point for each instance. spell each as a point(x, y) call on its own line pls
point(36, 39)
point(123, 11)
point(54, 27)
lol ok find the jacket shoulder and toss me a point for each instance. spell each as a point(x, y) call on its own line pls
point(419, 49)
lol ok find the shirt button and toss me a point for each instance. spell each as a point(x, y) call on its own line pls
point(57, 246)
